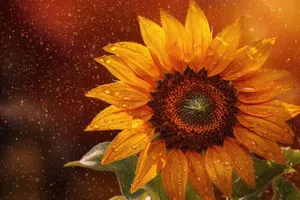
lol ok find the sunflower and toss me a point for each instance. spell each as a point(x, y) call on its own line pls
point(193, 107)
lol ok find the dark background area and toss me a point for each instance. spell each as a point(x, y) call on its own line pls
point(46, 57)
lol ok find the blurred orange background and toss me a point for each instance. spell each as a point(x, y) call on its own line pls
point(47, 50)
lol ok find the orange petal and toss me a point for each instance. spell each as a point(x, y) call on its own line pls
point(198, 32)
point(266, 128)
point(127, 143)
point(266, 94)
point(155, 39)
point(178, 48)
point(174, 175)
point(242, 161)
point(266, 148)
point(293, 110)
point(114, 118)
point(218, 165)
point(198, 177)
point(265, 109)
point(120, 70)
point(248, 58)
point(150, 162)
point(137, 57)
point(259, 79)
point(223, 47)
point(119, 94)
point(279, 122)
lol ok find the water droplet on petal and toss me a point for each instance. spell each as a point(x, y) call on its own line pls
point(126, 98)
point(107, 91)
point(253, 145)
point(227, 165)
point(95, 126)
point(206, 189)
point(113, 48)
point(248, 89)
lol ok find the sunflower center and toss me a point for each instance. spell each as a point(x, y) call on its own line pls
point(192, 110)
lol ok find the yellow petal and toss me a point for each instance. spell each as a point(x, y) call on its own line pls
point(154, 37)
point(120, 70)
point(248, 58)
point(174, 175)
point(266, 128)
point(259, 79)
point(150, 162)
point(198, 177)
point(114, 118)
point(178, 48)
point(198, 31)
point(242, 161)
point(119, 94)
point(127, 143)
point(218, 165)
point(266, 94)
point(223, 47)
point(263, 147)
point(137, 57)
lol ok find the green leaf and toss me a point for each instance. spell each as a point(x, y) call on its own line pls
point(124, 169)
point(284, 190)
point(265, 172)
point(92, 159)
point(117, 198)
point(156, 189)
point(191, 193)
point(292, 156)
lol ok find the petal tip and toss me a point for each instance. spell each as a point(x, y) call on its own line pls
point(273, 39)
point(133, 189)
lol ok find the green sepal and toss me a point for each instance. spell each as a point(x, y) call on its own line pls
point(284, 190)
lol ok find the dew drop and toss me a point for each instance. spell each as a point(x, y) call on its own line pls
point(210, 51)
point(107, 91)
point(107, 61)
point(197, 48)
point(255, 124)
point(253, 145)
point(126, 98)
point(95, 126)
point(227, 165)
point(217, 161)
point(248, 89)
point(113, 48)
point(206, 189)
